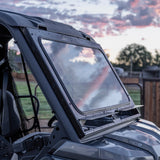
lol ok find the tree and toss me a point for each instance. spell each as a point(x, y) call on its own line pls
point(156, 60)
point(134, 57)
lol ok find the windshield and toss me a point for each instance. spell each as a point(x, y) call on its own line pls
point(86, 75)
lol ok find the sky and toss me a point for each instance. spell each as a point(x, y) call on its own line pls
point(112, 23)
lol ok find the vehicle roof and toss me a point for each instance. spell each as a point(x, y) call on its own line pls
point(20, 20)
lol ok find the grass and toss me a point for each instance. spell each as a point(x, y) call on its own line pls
point(135, 95)
point(44, 110)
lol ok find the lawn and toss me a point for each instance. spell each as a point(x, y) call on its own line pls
point(44, 111)
point(134, 92)
point(135, 95)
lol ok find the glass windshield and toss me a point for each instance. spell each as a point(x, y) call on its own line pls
point(86, 75)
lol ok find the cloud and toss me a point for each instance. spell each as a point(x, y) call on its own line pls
point(141, 13)
point(152, 3)
point(92, 17)
point(134, 3)
point(122, 5)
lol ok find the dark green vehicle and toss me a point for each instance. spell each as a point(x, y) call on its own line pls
point(91, 116)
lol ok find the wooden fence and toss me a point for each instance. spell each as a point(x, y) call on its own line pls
point(21, 76)
point(151, 92)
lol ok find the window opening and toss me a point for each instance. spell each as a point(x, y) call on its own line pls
point(33, 102)
point(86, 75)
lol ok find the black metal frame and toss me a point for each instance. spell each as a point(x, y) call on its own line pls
point(140, 87)
point(141, 95)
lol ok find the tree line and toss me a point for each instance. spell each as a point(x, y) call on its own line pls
point(136, 57)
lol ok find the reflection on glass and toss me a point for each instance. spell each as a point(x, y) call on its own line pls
point(86, 75)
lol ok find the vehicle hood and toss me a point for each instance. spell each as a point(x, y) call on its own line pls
point(140, 140)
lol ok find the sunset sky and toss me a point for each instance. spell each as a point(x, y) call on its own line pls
point(112, 23)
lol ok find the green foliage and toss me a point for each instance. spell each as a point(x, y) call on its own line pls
point(135, 55)
point(156, 60)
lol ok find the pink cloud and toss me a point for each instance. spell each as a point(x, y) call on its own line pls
point(157, 10)
point(140, 13)
point(134, 3)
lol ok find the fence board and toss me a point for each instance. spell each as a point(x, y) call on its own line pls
point(158, 103)
point(150, 111)
point(147, 102)
point(152, 101)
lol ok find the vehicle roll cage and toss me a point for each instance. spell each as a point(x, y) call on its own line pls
point(35, 108)
point(4, 63)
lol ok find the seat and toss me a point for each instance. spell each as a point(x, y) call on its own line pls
point(10, 120)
